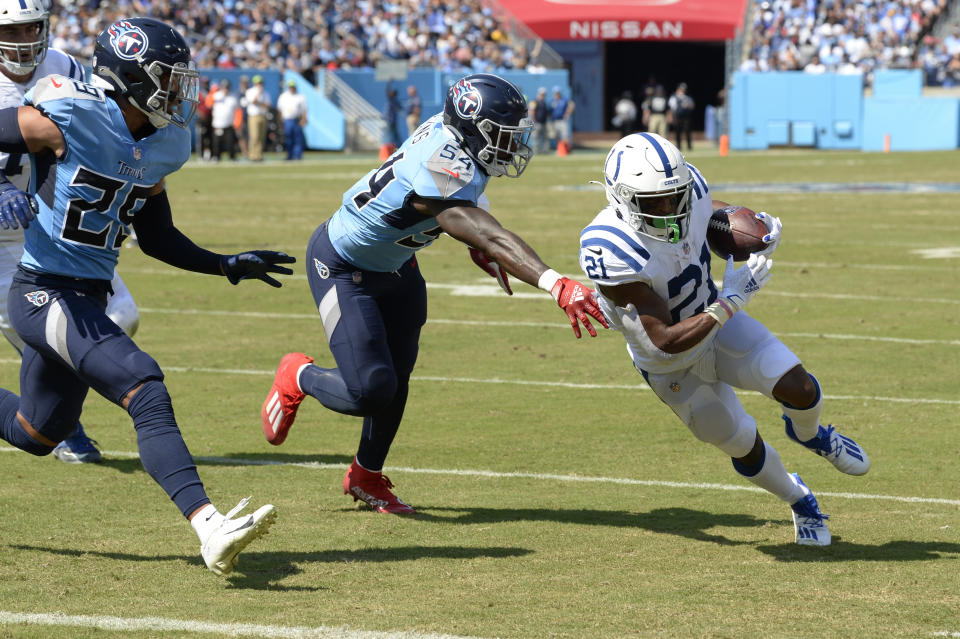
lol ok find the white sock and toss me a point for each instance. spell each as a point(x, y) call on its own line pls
point(806, 421)
point(775, 478)
point(206, 521)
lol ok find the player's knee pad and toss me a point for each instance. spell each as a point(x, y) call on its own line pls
point(726, 426)
point(750, 357)
point(124, 312)
point(378, 390)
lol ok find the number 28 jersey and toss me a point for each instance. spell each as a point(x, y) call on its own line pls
point(376, 229)
point(612, 253)
point(88, 197)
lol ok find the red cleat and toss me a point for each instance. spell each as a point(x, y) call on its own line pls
point(280, 407)
point(374, 489)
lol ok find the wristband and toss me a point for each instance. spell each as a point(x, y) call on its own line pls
point(722, 310)
point(547, 281)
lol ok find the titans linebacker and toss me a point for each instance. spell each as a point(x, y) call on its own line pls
point(364, 277)
point(648, 255)
point(24, 59)
point(100, 153)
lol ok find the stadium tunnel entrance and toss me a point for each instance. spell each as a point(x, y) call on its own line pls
point(628, 65)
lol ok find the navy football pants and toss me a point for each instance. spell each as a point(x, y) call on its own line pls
point(72, 346)
point(372, 321)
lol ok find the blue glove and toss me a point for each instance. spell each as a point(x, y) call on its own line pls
point(16, 207)
point(256, 264)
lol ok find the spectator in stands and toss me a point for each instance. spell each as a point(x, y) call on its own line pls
point(787, 34)
point(654, 111)
point(293, 112)
point(414, 109)
point(540, 114)
point(223, 111)
point(681, 108)
point(625, 114)
point(258, 107)
point(815, 66)
point(306, 36)
point(561, 113)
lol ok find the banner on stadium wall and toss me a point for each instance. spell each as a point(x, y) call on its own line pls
point(631, 20)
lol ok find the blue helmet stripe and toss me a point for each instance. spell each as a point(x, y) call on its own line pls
point(659, 149)
point(699, 177)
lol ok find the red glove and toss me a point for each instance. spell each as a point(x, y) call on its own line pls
point(492, 268)
point(577, 301)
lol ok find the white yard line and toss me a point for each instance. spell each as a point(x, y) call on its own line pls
point(548, 477)
point(161, 624)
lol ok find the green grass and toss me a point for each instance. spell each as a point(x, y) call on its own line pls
point(528, 549)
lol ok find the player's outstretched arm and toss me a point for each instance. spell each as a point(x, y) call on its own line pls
point(160, 239)
point(480, 230)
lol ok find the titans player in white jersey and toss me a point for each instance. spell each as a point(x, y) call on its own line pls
point(100, 153)
point(647, 253)
point(368, 288)
point(24, 59)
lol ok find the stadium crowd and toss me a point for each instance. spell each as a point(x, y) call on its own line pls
point(310, 35)
point(847, 36)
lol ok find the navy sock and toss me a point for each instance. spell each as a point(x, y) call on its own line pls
point(750, 470)
point(12, 431)
point(163, 453)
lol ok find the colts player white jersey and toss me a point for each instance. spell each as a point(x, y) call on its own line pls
point(17, 166)
point(612, 253)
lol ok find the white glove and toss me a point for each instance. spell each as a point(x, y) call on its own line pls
point(739, 286)
point(772, 238)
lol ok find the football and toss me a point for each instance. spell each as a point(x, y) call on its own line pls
point(736, 231)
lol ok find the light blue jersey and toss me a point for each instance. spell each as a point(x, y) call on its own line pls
point(88, 197)
point(376, 229)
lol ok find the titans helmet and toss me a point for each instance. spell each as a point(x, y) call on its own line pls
point(148, 63)
point(649, 184)
point(21, 58)
point(489, 117)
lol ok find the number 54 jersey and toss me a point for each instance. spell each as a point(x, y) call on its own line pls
point(88, 197)
point(612, 253)
point(376, 228)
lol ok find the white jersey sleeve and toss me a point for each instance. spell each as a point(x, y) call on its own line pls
point(611, 253)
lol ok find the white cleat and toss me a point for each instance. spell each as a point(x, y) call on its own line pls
point(845, 454)
point(221, 548)
point(808, 521)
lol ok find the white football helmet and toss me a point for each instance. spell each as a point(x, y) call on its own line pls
point(20, 58)
point(648, 182)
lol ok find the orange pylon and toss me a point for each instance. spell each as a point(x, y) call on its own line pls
point(387, 150)
point(724, 145)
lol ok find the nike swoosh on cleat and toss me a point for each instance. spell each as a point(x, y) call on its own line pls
point(246, 524)
point(456, 175)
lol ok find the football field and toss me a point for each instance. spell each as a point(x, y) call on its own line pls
point(556, 496)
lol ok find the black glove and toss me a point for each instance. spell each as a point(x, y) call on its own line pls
point(256, 264)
